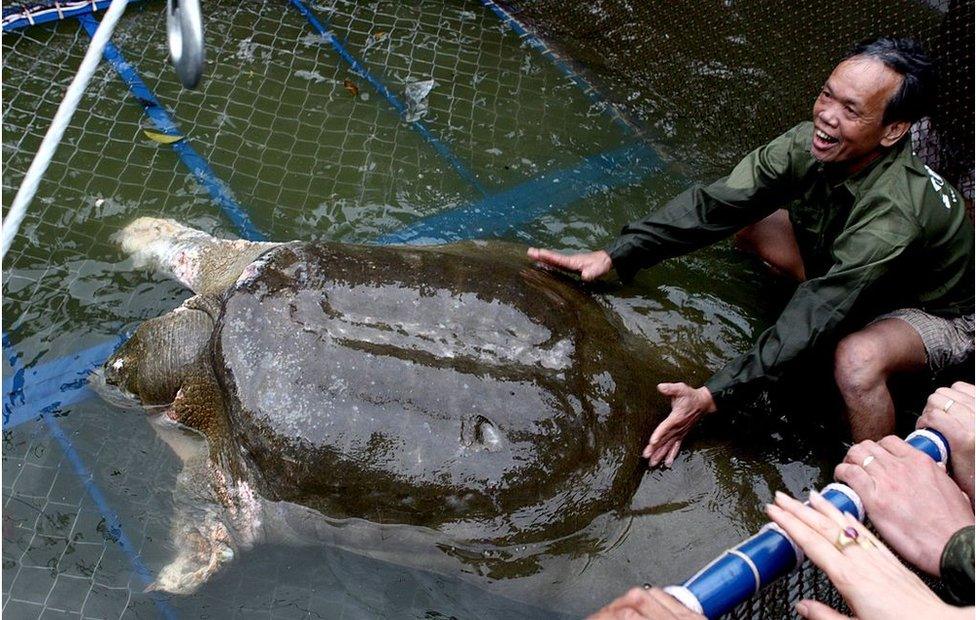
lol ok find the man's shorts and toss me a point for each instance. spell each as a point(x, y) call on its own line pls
point(947, 341)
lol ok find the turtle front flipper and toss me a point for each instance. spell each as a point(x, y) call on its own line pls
point(214, 515)
point(166, 365)
point(201, 262)
point(203, 547)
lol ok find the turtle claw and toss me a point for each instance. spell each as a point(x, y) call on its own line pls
point(201, 554)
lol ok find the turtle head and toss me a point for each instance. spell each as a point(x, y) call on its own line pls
point(162, 355)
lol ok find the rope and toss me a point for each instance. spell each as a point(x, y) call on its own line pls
point(11, 223)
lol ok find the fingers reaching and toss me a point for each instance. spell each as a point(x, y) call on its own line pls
point(857, 478)
point(657, 453)
point(867, 453)
point(672, 454)
point(555, 259)
point(815, 610)
point(589, 265)
point(670, 389)
point(897, 446)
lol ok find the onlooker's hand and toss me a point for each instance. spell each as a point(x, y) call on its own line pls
point(590, 265)
point(909, 498)
point(950, 410)
point(687, 405)
point(652, 604)
point(871, 579)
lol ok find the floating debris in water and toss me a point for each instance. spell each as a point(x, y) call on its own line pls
point(162, 138)
point(312, 76)
point(374, 39)
point(350, 87)
point(312, 39)
point(416, 95)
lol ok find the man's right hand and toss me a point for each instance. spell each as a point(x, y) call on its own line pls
point(589, 265)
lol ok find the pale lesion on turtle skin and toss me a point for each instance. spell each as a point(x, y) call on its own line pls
point(167, 367)
point(214, 519)
point(202, 263)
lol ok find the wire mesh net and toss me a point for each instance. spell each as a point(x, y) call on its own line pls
point(298, 137)
point(307, 145)
point(718, 79)
point(309, 148)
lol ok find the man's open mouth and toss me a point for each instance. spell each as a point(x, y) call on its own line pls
point(824, 138)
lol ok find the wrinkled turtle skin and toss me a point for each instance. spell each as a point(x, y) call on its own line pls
point(453, 387)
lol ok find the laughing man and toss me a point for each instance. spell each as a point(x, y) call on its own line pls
point(843, 206)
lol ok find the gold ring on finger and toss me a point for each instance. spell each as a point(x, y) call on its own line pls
point(846, 537)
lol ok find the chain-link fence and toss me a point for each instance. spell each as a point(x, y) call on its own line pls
point(308, 145)
point(713, 80)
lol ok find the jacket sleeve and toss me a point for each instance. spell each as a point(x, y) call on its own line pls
point(761, 183)
point(875, 236)
point(956, 566)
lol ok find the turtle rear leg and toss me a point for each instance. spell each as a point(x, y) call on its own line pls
point(201, 262)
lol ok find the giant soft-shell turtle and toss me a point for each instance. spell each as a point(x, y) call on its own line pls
point(454, 391)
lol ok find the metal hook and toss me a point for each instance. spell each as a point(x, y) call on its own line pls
point(184, 27)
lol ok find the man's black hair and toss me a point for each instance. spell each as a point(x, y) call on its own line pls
point(907, 58)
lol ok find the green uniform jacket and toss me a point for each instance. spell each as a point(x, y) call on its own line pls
point(893, 235)
point(956, 566)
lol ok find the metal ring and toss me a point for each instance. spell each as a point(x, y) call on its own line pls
point(184, 27)
point(949, 403)
point(867, 461)
point(846, 537)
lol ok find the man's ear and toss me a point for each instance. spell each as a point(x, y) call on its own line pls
point(893, 132)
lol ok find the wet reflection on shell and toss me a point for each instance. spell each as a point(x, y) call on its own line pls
point(435, 385)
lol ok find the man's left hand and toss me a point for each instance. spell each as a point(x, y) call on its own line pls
point(687, 405)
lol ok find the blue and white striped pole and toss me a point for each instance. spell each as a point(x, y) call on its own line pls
point(742, 571)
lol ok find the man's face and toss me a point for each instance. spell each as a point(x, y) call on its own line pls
point(847, 114)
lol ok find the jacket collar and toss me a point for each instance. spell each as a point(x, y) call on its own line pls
point(870, 173)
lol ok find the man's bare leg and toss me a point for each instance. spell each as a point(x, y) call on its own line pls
point(773, 240)
point(863, 363)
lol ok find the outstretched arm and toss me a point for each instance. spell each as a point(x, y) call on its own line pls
point(701, 215)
